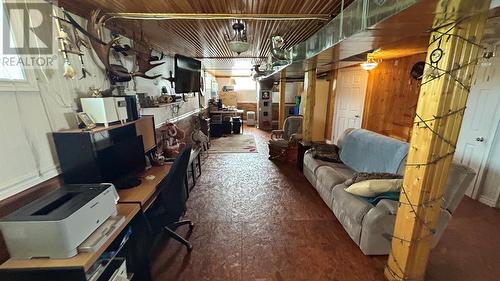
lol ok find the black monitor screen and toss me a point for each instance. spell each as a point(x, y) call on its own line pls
point(123, 159)
point(187, 74)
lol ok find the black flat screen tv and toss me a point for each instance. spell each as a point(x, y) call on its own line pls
point(187, 74)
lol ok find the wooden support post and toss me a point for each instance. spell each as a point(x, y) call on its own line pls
point(281, 119)
point(332, 91)
point(452, 55)
point(309, 102)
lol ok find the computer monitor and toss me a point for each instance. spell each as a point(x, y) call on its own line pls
point(145, 127)
point(123, 162)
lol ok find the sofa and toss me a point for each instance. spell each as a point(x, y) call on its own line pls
point(370, 226)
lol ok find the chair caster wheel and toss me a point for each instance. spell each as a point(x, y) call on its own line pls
point(189, 248)
point(191, 226)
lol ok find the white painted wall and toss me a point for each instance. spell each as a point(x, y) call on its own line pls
point(47, 103)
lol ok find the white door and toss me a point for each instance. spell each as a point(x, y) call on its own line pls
point(349, 100)
point(480, 121)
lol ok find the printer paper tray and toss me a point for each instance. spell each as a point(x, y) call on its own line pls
point(101, 234)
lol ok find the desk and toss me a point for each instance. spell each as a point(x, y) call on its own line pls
point(145, 193)
point(132, 205)
point(233, 113)
point(55, 269)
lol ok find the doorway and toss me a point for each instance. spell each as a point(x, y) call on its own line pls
point(349, 100)
point(479, 125)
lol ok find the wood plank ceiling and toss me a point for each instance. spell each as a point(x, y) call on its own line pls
point(205, 39)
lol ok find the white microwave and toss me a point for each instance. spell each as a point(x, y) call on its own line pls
point(105, 110)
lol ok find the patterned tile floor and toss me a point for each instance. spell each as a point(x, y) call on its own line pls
point(260, 220)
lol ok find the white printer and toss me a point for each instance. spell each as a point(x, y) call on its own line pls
point(54, 225)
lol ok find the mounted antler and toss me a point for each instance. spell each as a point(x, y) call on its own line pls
point(94, 27)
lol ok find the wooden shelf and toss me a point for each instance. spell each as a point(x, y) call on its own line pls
point(99, 128)
point(164, 104)
point(82, 260)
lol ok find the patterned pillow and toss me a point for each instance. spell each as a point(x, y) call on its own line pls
point(326, 152)
point(363, 176)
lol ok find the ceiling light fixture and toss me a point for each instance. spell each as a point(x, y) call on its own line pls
point(238, 43)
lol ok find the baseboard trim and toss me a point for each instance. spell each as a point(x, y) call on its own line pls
point(487, 201)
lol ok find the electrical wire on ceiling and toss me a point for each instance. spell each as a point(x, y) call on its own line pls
point(189, 16)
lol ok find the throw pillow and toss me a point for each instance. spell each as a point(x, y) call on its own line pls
point(326, 152)
point(321, 146)
point(362, 176)
point(371, 188)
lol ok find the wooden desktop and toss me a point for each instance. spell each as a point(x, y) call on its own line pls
point(132, 204)
point(146, 193)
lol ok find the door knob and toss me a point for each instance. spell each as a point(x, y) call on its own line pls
point(480, 139)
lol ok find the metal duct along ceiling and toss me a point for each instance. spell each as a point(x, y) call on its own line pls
point(398, 28)
point(205, 38)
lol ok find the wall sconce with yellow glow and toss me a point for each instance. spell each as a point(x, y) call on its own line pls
point(370, 63)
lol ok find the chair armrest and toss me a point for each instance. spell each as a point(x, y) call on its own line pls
point(277, 134)
point(296, 137)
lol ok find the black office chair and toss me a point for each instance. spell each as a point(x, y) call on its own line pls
point(171, 203)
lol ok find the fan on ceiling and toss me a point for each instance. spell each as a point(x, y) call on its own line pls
point(239, 42)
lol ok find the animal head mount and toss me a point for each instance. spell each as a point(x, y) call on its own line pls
point(94, 30)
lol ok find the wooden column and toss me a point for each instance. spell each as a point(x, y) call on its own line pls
point(309, 102)
point(451, 59)
point(281, 119)
point(332, 91)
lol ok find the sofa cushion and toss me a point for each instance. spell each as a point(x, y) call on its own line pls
point(350, 211)
point(279, 143)
point(366, 151)
point(333, 175)
point(313, 164)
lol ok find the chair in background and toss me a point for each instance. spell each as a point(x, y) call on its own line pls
point(285, 141)
point(171, 203)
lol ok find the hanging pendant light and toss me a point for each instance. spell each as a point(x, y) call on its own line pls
point(238, 43)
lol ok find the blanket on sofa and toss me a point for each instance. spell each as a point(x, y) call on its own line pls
point(385, 195)
point(366, 151)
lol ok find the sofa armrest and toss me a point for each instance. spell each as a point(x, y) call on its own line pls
point(378, 226)
point(390, 206)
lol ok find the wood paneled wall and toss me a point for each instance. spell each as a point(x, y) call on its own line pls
point(391, 97)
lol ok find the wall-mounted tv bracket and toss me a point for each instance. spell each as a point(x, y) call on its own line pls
point(170, 79)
